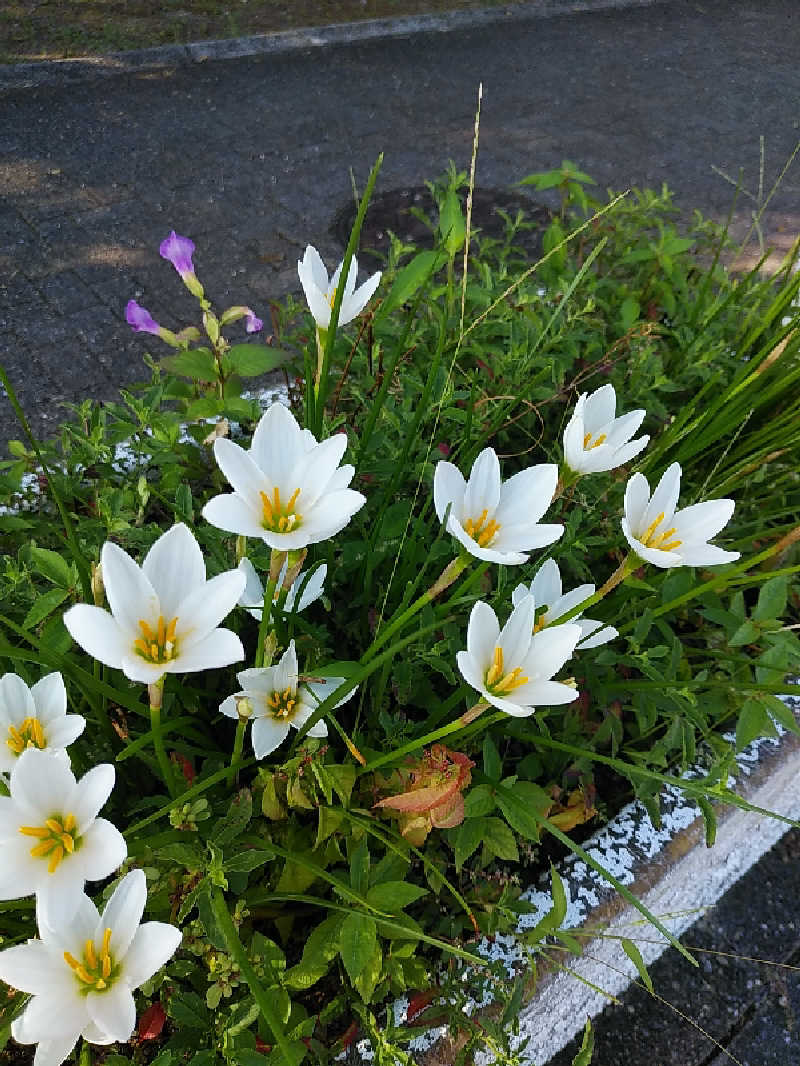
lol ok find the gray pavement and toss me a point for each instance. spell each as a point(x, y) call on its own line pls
point(251, 157)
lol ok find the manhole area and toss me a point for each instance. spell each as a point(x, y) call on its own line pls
point(393, 211)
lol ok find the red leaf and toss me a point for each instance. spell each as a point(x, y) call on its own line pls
point(152, 1022)
point(418, 1002)
point(348, 1036)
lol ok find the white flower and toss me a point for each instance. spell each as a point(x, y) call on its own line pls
point(35, 718)
point(51, 839)
point(321, 293)
point(512, 668)
point(277, 700)
point(289, 489)
point(164, 614)
point(546, 591)
point(494, 521)
point(595, 440)
point(81, 973)
point(252, 599)
point(665, 537)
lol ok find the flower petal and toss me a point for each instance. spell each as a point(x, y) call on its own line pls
point(483, 633)
point(220, 647)
point(573, 437)
point(98, 633)
point(483, 488)
point(516, 635)
point(174, 565)
point(665, 497)
point(600, 408)
point(240, 468)
point(32, 968)
point(313, 472)
point(50, 697)
point(546, 584)
point(637, 497)
point(90, 794)
point(705, 555)
point(154, 944)
point(204, 608)
point(130, 594)
point(702, 521)
point(277, 446)
point(124, 911)
point(16, 700)
point(449, 487)
point(65, 731)
point(285, 676)
point(40, 785)
point(113, 1010)
point(267, 734)
point(525, 497)
point(103, 850)
point(233, 514)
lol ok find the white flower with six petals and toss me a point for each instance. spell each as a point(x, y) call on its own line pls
point(289, 490)
point(595, 439)
point(35, 718)
point(665, 537)
point(321, 293)
point(512, 667)
point(278, 699)
point(496, 521)
point(546, 591)
point(164, 615)
point(51, 839)
point(82, 972)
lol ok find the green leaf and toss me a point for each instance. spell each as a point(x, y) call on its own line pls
point(586, 1050)
point(367, 980)
point(499, 840)
point(753, 722)
point(359, 867)
point(321, 947)
point(236, 819)
point(747, 633)
point(709, 818)
point(250, 360)
point(248, 860)
point(43, 606)
point(392, 896)
point(629, 312)
point(183, 503)
point(492, 763)
point(188, 1010)
point(408, 280)
point(559, 897)
point(782, 714)
point(452, 228)
point(206, 914)
point(635, 956)
point(202, 1058)
point(189, 856)
point(52, 566)
point(466, 839)
point(357, 943)
point(771, 599)
point(197, 363)
point(517, 803)
point(343, 777)
point(479, 801)
point(330, 819)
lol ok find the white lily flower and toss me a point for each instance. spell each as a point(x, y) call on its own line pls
point(51, 838)
point(595, 440)
point(320, 293)
point(277, 700)
point(252, 599)
point(81, 973)
point(289, 490)
point(494, 521)
point(512, 668)
point(665, 537)
point(35, 718)
point(546, 591)
point(164, 615)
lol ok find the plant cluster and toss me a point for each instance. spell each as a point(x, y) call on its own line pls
point(430, 710)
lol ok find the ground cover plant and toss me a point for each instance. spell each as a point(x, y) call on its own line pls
point(325, 719)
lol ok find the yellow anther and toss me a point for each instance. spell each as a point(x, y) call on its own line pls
point(56, 839)
point(280, 517)
point(157, 645)
point(648, 533)
point(539, 624)
point(34, 830)
point(44, 848)
point(89, 954)
point(672, 544)
point(69, 823)
point(498, 681)
point(106, 966)
point(54, 824)
point(67, 843)
point(100, 984)
point(55, 859)
point(84, 974)
point(70, 960)
point(588, 443)
point(30, 734)
point(495, 671)
point(106, 942)
point(482, 529)
point(282, 703)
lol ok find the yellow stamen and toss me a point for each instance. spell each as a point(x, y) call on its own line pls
point(69, 823)
point(498, 681)
point(100, 984)
point(70, 960)
point(157, 645)
point(672, 544)
point(282, 703)
point(67, 842)
point(588, 443)
point(89, 954)
point(34, 830)
point(106, 942)
point(55, 859)
point(56, 839)
point(30, 734)
point(539, 624)
point(84, 974)
point(106, 966)
point(44, 848)
point(648, 533)
point(280, 517)
point(482, 529)
point(53, 824)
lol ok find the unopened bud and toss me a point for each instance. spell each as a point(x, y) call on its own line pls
point(98, 589)
point(211, 326)
point(244, 708)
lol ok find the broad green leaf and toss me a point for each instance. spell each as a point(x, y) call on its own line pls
point(250, 360)
point(629, 312)
point(782, 714)
point(771, 599)
point(248, 860)
point(408, 280)
point(467, 839)
point(43, 606)
point(188, 1010)
point(492, 763)
point(321, 947)
point(188, 856)
point(370, 975)
point(183, 503)
point(518, 804)
point(479, 801)
point(392, 896)
point(359, 867)
point(236, 819)
point(202, 1058)
point(207, 917)
point(635, 956)
point(343, 777)
point(52, 566)
point(499, 840)
point(197, 364)
point(357, 942)
point(330, 819)
point(753, 722)
point(747, 633)
point(452, 228)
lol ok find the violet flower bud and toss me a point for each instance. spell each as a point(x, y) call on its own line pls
point(178, 251)
point(140, 319)
point(253, 324)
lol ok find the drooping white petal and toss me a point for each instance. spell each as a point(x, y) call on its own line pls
point(267, 734)
point(504, 703)
point(29, 968)
point(113, 1010)
point(702, 521)
point(312, 588)
point(51, 1017)
point(705, 555)
point(300, 717)
point(98, 633)
point(314, 692)
point(650, 555)
point(228, 706)
point(547, 693)
point(253, 592)
point(153, 945)
point(135, 668)
point(173, 565)
point(220, 647)
point(362, 295)
point(53, 1052)
point(65, 731)
point(233, 514)
point(593, 634)
point(130, 594)
point(527, 536)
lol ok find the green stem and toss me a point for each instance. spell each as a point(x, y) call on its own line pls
point(463, 722)
point(155, 692)
point(85, 1057)
point(236, 757)
point(276, 562)
point(623, 571)
point(237, 951)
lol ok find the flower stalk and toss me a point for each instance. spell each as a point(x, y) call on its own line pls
point(623, 571)
point(155, 692)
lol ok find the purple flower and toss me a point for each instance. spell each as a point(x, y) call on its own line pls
point(140, 319)
point(253, 324)
point(178, 250)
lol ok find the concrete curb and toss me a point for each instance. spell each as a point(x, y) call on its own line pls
point(670, 870)
point(67, 72)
